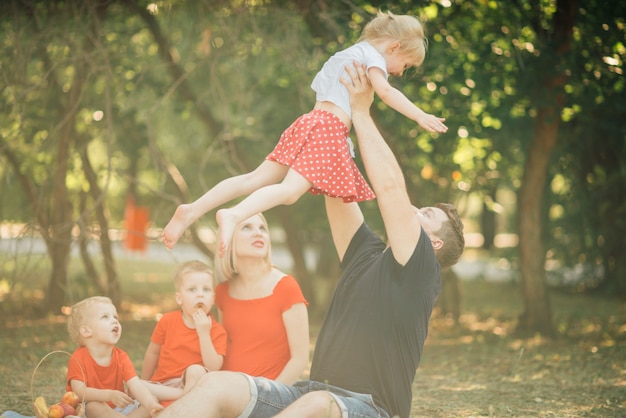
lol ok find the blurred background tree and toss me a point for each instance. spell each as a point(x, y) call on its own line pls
point(106, 101)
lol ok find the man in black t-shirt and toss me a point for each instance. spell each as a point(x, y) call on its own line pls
point(370, 344)
point(374, 332)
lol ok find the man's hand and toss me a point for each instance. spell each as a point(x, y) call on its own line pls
point(360, 89)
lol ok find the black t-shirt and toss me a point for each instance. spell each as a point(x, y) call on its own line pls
point(374, 332)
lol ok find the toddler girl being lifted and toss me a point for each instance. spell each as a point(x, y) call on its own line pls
point(315, 153)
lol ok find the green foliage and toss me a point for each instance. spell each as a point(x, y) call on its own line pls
point(587, 200)
point(249, 66)
point(487, 61)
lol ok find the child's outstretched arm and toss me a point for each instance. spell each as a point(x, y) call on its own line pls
point(118, 398)
point(143, 395)
point(398, 101)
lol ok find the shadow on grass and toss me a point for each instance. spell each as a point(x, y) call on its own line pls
point(473, 367)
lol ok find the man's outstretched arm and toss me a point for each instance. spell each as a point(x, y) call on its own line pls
point(344, 220)
point(384, 173)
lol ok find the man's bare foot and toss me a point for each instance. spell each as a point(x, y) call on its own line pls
point(183, 217)
point(226, 222)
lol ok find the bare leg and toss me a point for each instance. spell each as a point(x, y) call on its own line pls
point(163, 392)
point(216, 395)
point(192, 375)
point(140, 412)
point(317, 404)
point(285, 193)
point(267, 173)
point(102, 410)
point(183, 217)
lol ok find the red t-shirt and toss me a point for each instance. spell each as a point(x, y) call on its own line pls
point(257, 339)
point(81, 366)
point(180, 345)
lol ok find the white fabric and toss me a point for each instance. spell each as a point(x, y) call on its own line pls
point(327, 84)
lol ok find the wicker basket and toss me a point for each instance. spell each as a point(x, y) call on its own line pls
point(36, 400)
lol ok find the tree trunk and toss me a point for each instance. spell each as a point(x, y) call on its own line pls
point(450, 298)
point(488, 219)
point(537, 316)
point(83, 245)
point(60, 238)
point(296, 249)
point(58, 243)
point(113, 287)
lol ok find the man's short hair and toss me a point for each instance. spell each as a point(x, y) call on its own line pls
point(451, 233)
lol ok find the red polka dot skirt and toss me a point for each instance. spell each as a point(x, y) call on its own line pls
point(316, 146)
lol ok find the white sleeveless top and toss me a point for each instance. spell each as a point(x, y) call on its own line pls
point(326, 83)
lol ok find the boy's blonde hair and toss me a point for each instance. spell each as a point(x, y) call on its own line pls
point(226, 267)
point(78, 316)
point(407, 30)
point(194, 266)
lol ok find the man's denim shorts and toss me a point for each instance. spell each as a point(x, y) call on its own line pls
point(268, 398)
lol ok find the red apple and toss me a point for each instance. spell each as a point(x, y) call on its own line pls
point(68, 409)
point(70, 398)
point(56, 411)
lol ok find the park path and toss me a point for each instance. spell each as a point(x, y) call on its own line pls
point(470, 266)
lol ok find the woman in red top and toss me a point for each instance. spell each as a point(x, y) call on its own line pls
point(262, 309)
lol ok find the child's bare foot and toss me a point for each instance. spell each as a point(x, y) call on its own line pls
point(183, 217)
point(226, 222)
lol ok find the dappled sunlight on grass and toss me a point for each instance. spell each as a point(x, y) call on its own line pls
point(49, 320)
point(490, 324)
point(475, 366)
point(478, 367)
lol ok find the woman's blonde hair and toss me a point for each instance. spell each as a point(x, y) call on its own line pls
point(226, 266)
point(407, 30)
point(193, 266)
point(78, 316)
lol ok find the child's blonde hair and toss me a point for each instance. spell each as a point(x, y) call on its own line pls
point(194, 266)
point(407, 30)
point(78, 316)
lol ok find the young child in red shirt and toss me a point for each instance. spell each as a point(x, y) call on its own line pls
point(188, 342)
point(98, 369)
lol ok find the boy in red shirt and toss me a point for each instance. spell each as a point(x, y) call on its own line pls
point(98, 369)
point(185, 343)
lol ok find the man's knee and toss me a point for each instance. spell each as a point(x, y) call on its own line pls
point(194, 372)
point(210, 379)
point(223, 384)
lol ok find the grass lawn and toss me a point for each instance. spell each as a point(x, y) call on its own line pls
point(475, 367)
